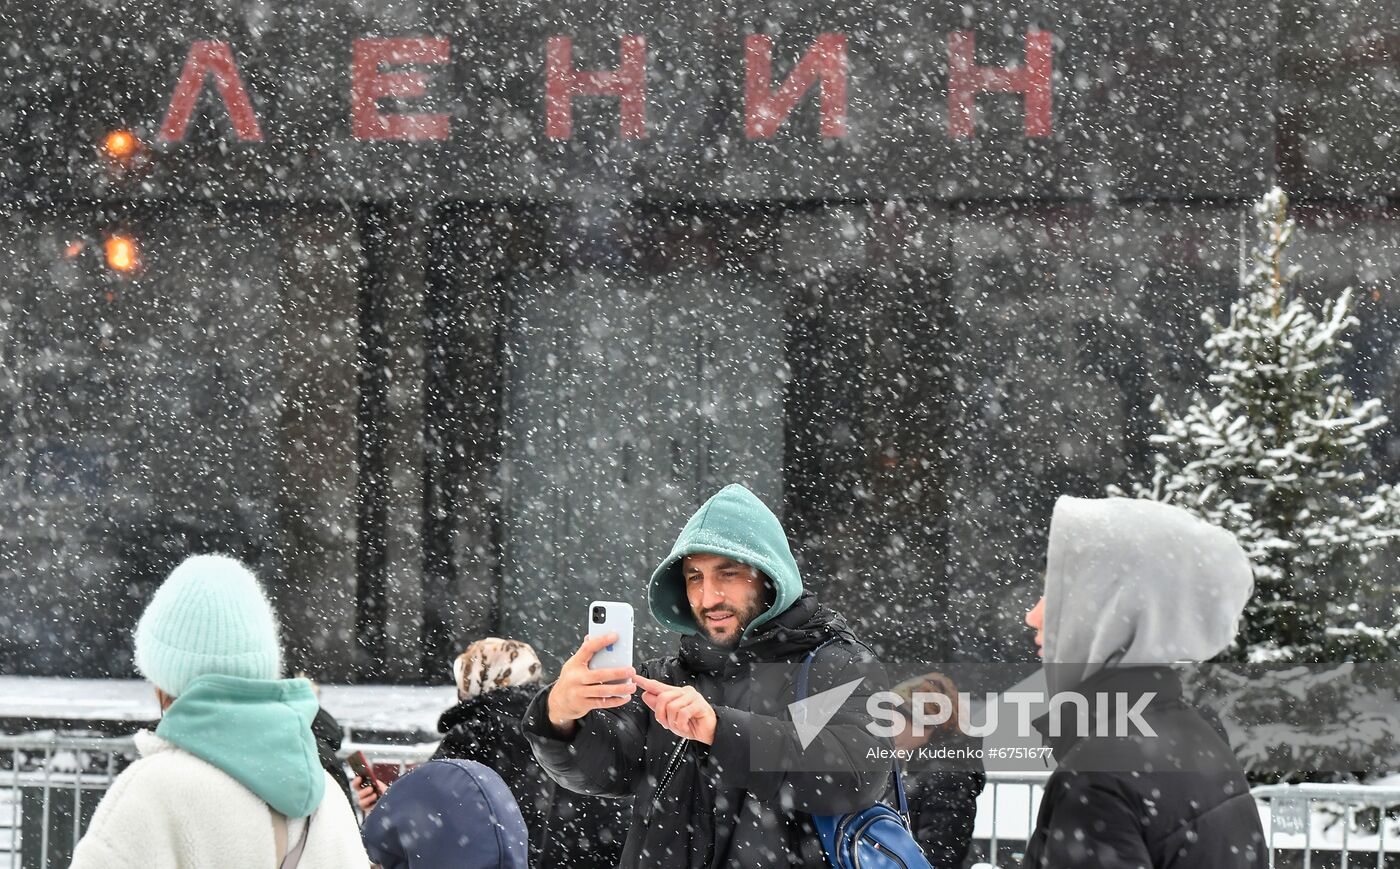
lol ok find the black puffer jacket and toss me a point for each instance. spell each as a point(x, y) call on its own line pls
point(1178, 800)
point(942, 809)
point(567, 830)
point(722, 808)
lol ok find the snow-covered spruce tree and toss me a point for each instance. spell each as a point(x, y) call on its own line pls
point(1277, 453)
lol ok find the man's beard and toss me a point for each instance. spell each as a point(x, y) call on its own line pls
point(742, 619)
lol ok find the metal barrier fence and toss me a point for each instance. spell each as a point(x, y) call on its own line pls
point(1005, 816)
point(1324, 826)
point(50, 785)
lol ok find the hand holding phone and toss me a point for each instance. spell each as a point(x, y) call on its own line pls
point(361, 767)
point(599, 674)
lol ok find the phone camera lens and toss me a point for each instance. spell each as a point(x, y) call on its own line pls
point(599, 615)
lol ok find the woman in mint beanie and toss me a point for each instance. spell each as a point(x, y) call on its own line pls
point(231, 776)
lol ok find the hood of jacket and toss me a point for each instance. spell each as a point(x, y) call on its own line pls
point(1134, 582)
point(256, 730)
point(734, 523)
point(447, 813)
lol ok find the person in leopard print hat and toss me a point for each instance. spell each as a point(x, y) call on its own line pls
point(496, 679)
point(494, 663)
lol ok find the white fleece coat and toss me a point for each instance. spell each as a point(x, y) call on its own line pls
point(171, 810)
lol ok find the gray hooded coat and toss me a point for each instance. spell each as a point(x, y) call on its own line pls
point(1130, 587)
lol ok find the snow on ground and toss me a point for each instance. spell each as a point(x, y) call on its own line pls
point(382, 708)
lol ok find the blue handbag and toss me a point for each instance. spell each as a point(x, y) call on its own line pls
point(873, 838)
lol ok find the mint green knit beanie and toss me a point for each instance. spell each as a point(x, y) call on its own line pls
point(209, 616)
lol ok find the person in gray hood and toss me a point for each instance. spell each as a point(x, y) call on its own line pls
point(1132, 587)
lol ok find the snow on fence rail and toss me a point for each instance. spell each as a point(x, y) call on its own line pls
point(51, 783)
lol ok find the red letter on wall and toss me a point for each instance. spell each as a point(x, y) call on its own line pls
point(369, 84)
point(562, 83)
point(966, 80)
point(766, 110)
point(209, 57)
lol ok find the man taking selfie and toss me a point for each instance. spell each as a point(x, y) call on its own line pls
point(731, 588)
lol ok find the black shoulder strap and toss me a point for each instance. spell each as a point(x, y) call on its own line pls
point(802, 678)
point(551, 799)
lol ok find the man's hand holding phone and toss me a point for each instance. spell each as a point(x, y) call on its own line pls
point(579, 690)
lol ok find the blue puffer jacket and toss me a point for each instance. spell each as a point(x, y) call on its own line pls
point(447, 813)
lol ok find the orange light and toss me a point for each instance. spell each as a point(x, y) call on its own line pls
point(121, 253)
point(73, 249)
point(120, 144)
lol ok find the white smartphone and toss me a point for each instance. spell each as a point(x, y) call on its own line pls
point(611, 617)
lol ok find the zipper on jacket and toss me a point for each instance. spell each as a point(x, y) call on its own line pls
point(672, 764)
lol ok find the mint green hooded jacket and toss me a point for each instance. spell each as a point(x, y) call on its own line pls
point(734, 523)
point(258, 731)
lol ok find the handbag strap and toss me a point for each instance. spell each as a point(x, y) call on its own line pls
point(807, 669)
point(294, 855)
point(279, 834)
point(899, 793)
point(288, 858)
point(802, 680)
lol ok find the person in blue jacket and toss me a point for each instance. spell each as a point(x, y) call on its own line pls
point(447, 814)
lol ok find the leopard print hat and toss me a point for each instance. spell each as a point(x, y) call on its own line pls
point(495, 663)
